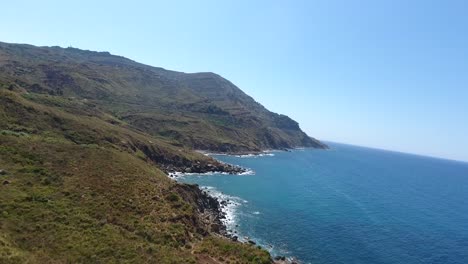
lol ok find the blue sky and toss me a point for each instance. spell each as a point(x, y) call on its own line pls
point(385, 74)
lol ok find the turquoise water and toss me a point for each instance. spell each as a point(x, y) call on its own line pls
point(350, 205)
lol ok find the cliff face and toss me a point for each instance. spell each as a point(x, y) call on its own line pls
point(85, 139)
point(199, 110)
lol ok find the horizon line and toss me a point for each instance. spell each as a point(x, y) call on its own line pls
point(397, 151)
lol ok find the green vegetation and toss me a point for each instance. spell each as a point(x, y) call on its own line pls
point(225, 251)
point(199, 110)
point(61, 202)
point(85, 138)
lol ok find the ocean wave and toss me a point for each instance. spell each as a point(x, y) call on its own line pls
point(232, 207)
point(229, 206)
point(265, 153)
point(178, 174)
point(256, 155)
point(247, 172)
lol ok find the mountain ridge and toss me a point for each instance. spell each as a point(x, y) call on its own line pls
point(87, 141)
point(146, 95)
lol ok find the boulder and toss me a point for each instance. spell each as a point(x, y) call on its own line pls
point(216, 228)
point(3, 172)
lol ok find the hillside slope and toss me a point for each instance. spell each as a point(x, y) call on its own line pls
point(86, 141)
point(80, 187)
point(200, 110)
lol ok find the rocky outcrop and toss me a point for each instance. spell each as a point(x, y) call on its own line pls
point(170, 163)
point(284, 260)
point(203, 167)
point(209, 213)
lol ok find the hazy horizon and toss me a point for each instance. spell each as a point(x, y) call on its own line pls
point(388, 75)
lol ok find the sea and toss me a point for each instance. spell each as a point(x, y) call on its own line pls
point(347, 205)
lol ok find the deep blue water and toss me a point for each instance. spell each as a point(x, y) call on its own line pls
point(351, 205)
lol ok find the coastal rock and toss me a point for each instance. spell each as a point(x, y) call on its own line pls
point(216, 227)
point(170, 166)
point(284, 260)
point(209, 209)
point(251, 242)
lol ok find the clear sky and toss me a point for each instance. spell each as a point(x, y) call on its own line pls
point(388, 74)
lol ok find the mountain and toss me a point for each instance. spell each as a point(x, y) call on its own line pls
point(200, 110)
point(86, 141)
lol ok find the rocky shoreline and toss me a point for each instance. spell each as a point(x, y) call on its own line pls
point(211, 216)
point(201, 168)
point(257, 152)
point(212, 210)
point(209, 210)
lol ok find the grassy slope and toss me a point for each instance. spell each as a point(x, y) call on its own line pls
point(72, 194)
point(201, 110)
point(85, 138)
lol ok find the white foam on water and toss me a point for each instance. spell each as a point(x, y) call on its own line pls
point(230, 208)
point(247, 172)
point(265, 154)
point(232, 212)
point(179, 174)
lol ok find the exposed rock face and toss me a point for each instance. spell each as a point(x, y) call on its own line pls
point(203, 167)
point(209, 210)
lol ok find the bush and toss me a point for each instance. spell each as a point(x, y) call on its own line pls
point(172, 197)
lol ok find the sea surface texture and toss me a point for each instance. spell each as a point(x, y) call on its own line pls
point(348, 205)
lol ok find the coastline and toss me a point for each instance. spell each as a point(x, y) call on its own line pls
point(256, 153)
point(218, 208)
